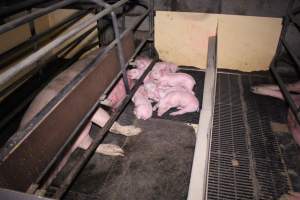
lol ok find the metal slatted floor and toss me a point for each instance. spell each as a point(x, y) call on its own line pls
point(245, 159)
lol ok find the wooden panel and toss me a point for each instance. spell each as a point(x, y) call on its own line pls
point(247, 43)
point(182, 37)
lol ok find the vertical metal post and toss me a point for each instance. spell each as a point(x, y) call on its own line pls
point(151, 23)
point(99, 27)
point(119, 44)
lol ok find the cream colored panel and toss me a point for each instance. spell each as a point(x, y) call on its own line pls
point(14, 37)
point(182, 37)
point(247, 43)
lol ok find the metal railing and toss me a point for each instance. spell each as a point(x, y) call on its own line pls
point(284, 45)
point(45, 179)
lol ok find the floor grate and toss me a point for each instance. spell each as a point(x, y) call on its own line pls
point(245, 161)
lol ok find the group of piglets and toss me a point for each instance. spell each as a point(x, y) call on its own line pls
point(164, 86)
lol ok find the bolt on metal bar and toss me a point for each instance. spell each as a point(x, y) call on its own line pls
point(99, 138)
point(7, 75)
point(22, 20)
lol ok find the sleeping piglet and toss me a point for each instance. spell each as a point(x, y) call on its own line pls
point(143, 107)
point(178, 79)
point(182, 100)
point(162, 68)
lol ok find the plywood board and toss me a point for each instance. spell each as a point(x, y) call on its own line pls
point(182, 37)
point(247, 43)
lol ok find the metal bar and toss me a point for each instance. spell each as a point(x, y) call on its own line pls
point(294, 21)
point(119, 45)
point(17, 7)
point(285, 92)
point(22, 20)
point(132, 27)
point(51, 166)
point(64, 51)
point(198, 181)
point(138, 49)
point(6, 76)
point(284, 29)
point(59, 156)
point(100, 135)
point(291, 53)
point(151, 22)
point(11, 54)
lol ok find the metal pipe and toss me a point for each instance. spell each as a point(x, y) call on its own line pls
point(11, 54)
point(132, 27)
point(291, 53)
point(138, 49)
point(151, 22)
point(119, 45)
point(25, 19)
point(17, 7)
point(99, 138)
point(285, 92)
point(6, 76)
point(99, 56)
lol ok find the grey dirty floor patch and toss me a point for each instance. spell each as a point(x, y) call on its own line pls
point(156, 165)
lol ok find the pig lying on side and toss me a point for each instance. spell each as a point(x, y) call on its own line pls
point(273, 91)
point(100, 118)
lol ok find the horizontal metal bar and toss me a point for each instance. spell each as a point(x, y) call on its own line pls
point(7, 75)
point(99, 137)
point(69, 47)
point(27, 18)
point(13, 53)
point(17, 7)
